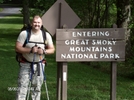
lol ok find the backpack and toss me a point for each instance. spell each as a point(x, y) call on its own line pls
point(28, 28)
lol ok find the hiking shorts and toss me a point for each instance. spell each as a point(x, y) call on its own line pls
point(29, 80)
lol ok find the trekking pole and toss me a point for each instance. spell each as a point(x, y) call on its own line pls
point(31, 74)
point(44, 77)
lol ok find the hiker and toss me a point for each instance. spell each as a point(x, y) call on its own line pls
point(31, 53)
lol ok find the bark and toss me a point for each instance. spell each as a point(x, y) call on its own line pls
point(123, 16)
point(26, 15)
point(123, 20)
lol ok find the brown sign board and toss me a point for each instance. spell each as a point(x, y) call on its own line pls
point(90, 44)
point(58, 15)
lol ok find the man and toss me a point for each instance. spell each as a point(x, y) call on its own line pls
point(33, 53)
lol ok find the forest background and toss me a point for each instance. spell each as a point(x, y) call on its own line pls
point(93, 14)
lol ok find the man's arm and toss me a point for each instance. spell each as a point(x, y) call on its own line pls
point(19, 48)
point(50, 49)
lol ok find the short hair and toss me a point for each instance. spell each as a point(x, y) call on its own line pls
point(36, 16)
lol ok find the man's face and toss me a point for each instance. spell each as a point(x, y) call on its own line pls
point(37, 23)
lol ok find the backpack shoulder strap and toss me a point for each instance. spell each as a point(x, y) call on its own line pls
point(44, 35)
point(28, 32)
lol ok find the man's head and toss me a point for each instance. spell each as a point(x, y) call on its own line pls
point(36, 23)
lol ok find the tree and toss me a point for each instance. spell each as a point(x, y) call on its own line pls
point(123, 21)
point(94, 13)
point(123, 16)
point(25, 12)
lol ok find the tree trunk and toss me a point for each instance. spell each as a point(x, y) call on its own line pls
point(123, 16)
point(123, 19)
point(106, 17)
point(26, 15)
point(98, 14)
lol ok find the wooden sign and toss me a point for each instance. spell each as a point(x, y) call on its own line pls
point(59, 14)
point(104, 44)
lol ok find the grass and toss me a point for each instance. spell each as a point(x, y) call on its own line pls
point(0, 9)
point(84, 81)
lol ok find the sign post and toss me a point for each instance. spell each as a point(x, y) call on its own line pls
point(113, 77)
point(113, 80)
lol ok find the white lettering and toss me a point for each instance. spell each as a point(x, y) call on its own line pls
point(90, 49)
point(103, 42)
point(79, 56)
point(109, 56)
point(77, 42)
point(90, 33)
point(90, 56)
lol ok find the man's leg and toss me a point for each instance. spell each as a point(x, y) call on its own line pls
point(37, 82)
point(23, 81)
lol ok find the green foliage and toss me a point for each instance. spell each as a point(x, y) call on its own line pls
point(1, 1)
point(36, 12)
point(94, 13)
point(5, 1)
point(41, 5)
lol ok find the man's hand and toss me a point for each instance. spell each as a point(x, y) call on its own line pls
point(34, 49)
point(37, 50)
point(40, 51)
